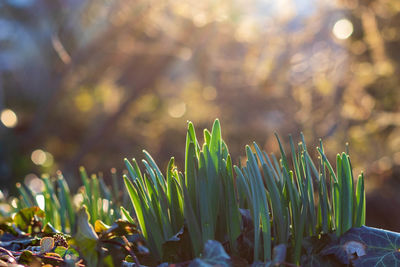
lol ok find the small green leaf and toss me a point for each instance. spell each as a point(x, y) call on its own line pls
point(61, 251)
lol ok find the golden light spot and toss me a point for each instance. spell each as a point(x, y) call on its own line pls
point(396, 158)
point(177, 110)
point(84, 101)
point(209, 93)
point(38, 157)
point(9, 118)
point(200, 19)
point(358, 47)
point(246, 31)
point(185, 53)
point(49, 160)
point(384, 68)
point(384, 164)
point(343, 29)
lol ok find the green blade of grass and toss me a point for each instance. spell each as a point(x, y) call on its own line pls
point(214, 185)
point(86, 183)
point(68, 201)
point(62, 209)
point(215, 148)
point(192, 223)
point(95, 190)
point(323, 204)
point(207, 223)
point(158, 173)
point(127, 215)
point(260, 197)
point(191, 175)
point(276, 199)
point(152, 174)
point(347, 194)
point(337, 214)
point(164, 211)
point(191, 138)
point(28, 202)
point(207, 136)
point(327, 163)
point(360, 202)
point(233, 217)
point(284, 158)
point(174, 198)
point(277, 174)
point(310, 195)
point(136, 205)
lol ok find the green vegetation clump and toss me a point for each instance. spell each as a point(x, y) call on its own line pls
point(265, 211)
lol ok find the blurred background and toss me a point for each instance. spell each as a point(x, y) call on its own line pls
point(91, 82)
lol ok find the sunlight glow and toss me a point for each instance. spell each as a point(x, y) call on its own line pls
point(49, 160)
point(34, 183)
point(343, 29)
point(38, 157)
point(209, 93)
point(40, 201)
point(106, 205)
point(9, 118)
point(177, 110)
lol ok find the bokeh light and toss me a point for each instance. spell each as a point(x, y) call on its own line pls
point(209, 93)
point(40, 200)
point(38, 157)
point(106, 87)
point(9, 118)
point(34, 183)
point(343, 29)
point(177, 110)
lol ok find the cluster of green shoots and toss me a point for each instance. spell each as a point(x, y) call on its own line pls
point(59, 205)
point(288, 201)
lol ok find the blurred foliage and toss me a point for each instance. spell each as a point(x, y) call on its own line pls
point(91, 81)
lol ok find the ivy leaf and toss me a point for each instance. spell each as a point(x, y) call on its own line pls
point(213, 255)
point(366, 246)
